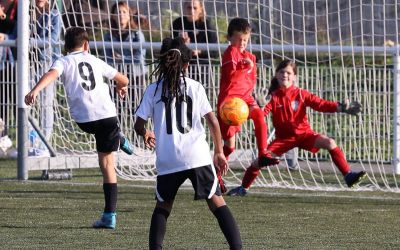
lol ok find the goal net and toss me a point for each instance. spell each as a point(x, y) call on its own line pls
point(343, 50)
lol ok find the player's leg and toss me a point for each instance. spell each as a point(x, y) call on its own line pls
point(226, 221)
point(339, 159)
point(277, 148)
point(260, 129)
point(110, 189)
point(205, 185)
point(261, 132)
point(229, 146)
point(336, 153)
point(158, 225)
point(249, 177)
point(106, 132)
point(228, 136)
point(166, 189)
point(125, 144)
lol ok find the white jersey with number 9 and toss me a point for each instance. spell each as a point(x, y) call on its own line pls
point(87, 94)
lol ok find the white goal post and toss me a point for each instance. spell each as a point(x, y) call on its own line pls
point(343, 50)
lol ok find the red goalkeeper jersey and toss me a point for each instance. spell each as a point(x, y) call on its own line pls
point(237, 78)
point(289, 106)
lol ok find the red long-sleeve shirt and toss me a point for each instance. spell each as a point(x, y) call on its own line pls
point(288, 107)
point(237, 78)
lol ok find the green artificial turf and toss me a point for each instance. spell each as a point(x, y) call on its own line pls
point(38, 214)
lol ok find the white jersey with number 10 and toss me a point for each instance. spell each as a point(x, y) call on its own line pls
point(180, 137)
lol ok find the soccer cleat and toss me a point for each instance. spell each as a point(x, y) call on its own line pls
point(237, 191)
point(353, 178)
point(108, 221)
point(125, 145)
point(221, 184)
point(267, 160)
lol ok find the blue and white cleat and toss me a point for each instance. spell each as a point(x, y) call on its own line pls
point(125, 145)
point(108, 221)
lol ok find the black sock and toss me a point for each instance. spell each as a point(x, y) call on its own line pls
point(110, 197)
point(157, 228)
point(229, 227)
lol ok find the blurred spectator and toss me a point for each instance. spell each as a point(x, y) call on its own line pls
point(8, 15)
point(45, 31)
point(83, 12)
point(46, 28)
point(126, 27)
point(194, 27)
point(8, 31)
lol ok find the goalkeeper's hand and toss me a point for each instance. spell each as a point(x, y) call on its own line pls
point(351, 108)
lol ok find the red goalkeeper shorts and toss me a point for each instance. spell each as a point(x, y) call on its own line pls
point(306, 141)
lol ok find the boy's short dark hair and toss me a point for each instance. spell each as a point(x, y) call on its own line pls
point(75, 37)
point(238, 25)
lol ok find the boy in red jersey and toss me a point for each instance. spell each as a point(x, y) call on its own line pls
point(288, 104)
point(238, 79)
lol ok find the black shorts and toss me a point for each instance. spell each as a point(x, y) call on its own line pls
point(204, 181)
point(106, 131)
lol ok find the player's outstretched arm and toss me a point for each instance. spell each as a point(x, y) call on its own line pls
point(46, 79)
point(122, 83)
point(219, 158)
point(351, 108)
point(148, 136)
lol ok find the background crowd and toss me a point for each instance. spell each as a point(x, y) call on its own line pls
point(115, 22)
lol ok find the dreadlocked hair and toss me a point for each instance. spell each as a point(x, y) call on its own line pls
point(174, 55)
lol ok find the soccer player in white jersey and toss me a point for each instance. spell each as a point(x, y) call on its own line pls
point(176, 105)
point(91, 107)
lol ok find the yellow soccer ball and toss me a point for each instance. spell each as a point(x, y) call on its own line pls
point(234, 111)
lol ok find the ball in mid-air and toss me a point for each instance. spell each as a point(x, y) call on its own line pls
point(234, 111)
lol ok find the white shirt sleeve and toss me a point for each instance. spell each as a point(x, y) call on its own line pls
point(204, 104)
point(145, 109)
point(58, 65)
point(108, 71)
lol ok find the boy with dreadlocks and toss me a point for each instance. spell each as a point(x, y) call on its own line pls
point(176, 105)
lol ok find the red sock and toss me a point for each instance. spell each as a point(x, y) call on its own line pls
point(249, 176)
point(340, 160)
point(260, 129)
point(227, 151)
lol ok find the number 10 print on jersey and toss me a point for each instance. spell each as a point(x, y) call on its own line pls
point(181, 108)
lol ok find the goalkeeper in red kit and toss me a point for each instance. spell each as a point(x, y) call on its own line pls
point(288, 105)
point(238, 79)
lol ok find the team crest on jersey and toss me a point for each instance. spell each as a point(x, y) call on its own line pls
point(295, 105)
